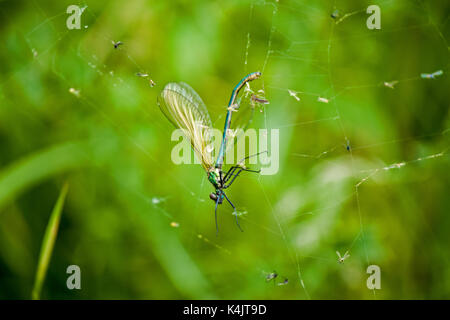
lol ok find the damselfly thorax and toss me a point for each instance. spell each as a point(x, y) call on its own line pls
point(214, 177)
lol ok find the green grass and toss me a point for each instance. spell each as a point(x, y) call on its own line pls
point(51, 233)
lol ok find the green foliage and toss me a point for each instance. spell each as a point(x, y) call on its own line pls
point(140, 227)
point(39, 166)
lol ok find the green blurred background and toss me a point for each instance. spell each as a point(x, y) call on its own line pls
point(111, 143)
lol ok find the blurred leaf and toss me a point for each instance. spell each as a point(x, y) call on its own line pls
point(39, 166)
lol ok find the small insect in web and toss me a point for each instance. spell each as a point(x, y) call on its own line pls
point(335, 14)
point(233, 108)
point(271, 276)
point(293, 94)
point(347, 144)
point(341, 259)
point(284, 282)
point(75, 92)
point(433, 75)
point(255, 98)
point(157, 200)
point(323, 100)
point(185, 109)
point(117, 44)
point(174, 224)
point(259, 101)
point(146, 75)
point(390, 84)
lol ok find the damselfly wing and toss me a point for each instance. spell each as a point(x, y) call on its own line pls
point(186, 110)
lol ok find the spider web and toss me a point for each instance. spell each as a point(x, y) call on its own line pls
point(330, 94)
point(295, 229)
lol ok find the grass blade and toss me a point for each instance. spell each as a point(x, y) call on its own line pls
point(48, 243)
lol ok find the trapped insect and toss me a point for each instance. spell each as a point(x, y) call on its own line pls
point(321, 99)
point(347, 145)
point(294, 94)
point(390, 84)
point(186, 110)
point(433, 75)
point(342, 259)
point(335, 14)
point(146, 75)
point(271, 276)
point(284, 282)
point(259, 100)
point(117, 44)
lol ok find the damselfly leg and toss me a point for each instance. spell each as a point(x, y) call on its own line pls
point(231, 171)
point(215, 215)
point(233, 175)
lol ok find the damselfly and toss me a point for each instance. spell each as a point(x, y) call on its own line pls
point(186, 110)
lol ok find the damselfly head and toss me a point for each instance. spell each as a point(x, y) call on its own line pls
point(213, 196)
point(216, 197)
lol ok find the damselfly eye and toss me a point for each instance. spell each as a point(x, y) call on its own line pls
point(213, 196)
